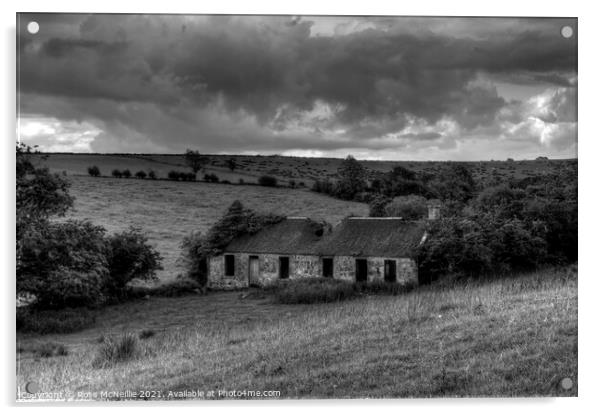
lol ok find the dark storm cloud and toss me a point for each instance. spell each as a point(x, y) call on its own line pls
point(276, 70)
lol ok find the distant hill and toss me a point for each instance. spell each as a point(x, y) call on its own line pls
point(299, 169)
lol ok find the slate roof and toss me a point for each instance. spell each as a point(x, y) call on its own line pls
point(373, 237)
point(292, 236)
point(356, 236)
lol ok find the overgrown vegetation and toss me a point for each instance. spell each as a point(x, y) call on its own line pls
point(116, 349)
point(49, 349)
point(237, 221)
point(67, 320)
point(506, 228)
point(495, 224)
point(328, 290)
point(175, 288)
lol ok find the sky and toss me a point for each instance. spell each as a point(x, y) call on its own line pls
point(380, 87)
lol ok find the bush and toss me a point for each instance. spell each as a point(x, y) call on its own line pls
point(64, 264)
point(152, 175)
point(68, 320)
point(94, 171)
point(188, 177)
point(269, 181)
point(226, 182)
point(141, 174)
point(241, 181)
point(67, 287)
point(173, 175)
point(114, 350)
point(117, 173)
point(146, 334)
point(408, 207)
point(292, 184)
point(130, 256)
point(126, 173)
point(324, 186)
point(211, 178)
point(378, 205)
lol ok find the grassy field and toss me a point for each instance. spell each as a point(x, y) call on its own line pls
point(510, 337)
point(168, 211)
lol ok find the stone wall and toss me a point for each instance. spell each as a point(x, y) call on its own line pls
point(301, 266)
point(407, 271)
point(217, 278)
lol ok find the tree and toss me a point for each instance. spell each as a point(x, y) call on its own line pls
point(117, 173)
point(130, 256)
point(126, 173)
point(352, 178)
point(40, 194)
point(237, 221)
point(94, 171)
point(410, 207)
point(378, 205)
point(231, 164)
point(195, 161)
point(454, 183)
point(141, 174)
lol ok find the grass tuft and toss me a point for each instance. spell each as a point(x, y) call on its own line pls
point(114, 350)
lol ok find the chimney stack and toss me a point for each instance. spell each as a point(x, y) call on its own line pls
point(434, 208)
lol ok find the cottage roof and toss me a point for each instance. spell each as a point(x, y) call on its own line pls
point(292, 236)
point(378, 237)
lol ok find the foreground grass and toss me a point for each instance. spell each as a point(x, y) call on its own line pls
point(512, 337)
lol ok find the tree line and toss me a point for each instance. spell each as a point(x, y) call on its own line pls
point(487, 228)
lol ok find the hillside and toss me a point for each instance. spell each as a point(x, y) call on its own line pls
point(300, 169)
point(512, 337)
point(168, 211)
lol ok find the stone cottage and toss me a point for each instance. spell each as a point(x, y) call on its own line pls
point(283, 250)
point(358, 249)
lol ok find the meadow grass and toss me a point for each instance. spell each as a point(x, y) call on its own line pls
point(169, 211)
point(516, 336)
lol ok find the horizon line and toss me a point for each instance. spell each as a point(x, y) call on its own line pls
point(302, 157)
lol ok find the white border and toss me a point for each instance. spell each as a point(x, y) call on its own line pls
point(589, 184)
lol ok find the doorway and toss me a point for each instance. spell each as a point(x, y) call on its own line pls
point(390, 270)
point(254, 270)
point(361, 270)
point(327, 267)
point(284, 267)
